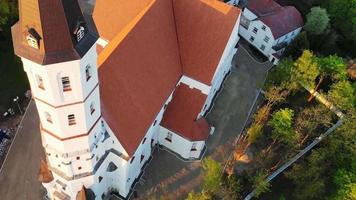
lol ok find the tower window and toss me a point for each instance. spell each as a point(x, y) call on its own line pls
point(32, 41)
point(80, 33)
point(88, 72)
point(169, 137)
point(100, 178)
point(48, 117)
point(66, 84)
point(33, 38)
point(252, 38)
point(71, 120)
point(144, 140)
point(40, 82)
point(133, 158)
point(142, 157)
point(92, 108)
point(79, 168)
point(194, 146)
point(263, 27)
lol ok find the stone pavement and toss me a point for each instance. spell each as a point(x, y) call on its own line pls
point(169, 177)
point(19, 175)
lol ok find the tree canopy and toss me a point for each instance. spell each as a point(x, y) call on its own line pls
point(4, 12)
point(213, 174)
point(281, 123)
point(342, 94)
point(333, 66)
point(343, 16)
point(305, 71)
point(317, 21)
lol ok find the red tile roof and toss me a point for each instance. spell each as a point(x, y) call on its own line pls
point(111, 16)
point(182, 112)
point(262, 7)
point(139, 70)
point(281, 20)
point(142, 63)
point(203, 29)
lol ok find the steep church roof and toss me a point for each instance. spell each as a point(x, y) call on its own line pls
point(140, 67)
point(146, 57)
point(154, 47)
point(203, 29)
point(52, 24)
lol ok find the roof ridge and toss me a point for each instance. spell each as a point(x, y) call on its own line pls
point(175, 29)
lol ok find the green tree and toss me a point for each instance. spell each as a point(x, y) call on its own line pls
point(254, 132)
point(232, 187)
point(325, 174)
point(305, 71)
point(280, 74)
point(343, 16)
point(281, 124)
point(4, 12)
point(260, 183)
point(345, 182)
point(213, 174)
point(333, 66)
point(274, 95)
point(317, 21)
point(310, 119)
point(298, 45)
point(307, 177)
point(198, 196)
point(342, 94)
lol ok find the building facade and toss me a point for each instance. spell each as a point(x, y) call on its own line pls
point(269, 27)
point(107, 97)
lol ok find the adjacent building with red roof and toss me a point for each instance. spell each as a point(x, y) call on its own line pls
point(270, 27)
point(111, 87)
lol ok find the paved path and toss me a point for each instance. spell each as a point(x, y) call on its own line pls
point(172, 178)
point(18, 178)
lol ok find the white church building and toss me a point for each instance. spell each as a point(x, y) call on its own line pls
point(111, 86)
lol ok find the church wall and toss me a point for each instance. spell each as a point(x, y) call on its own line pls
point(223, 67)
point(179, 144)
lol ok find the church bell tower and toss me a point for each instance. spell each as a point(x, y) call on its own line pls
point(56, 43)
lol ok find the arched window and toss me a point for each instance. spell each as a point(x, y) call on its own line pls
point(80, 33)
point(40, 82)
point(48, 117)
point(88, 72)
point(32, 41)
point(92, 108)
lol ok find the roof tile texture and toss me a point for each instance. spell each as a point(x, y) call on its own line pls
point(203, 30)
point(181, 115)
point(139, 75)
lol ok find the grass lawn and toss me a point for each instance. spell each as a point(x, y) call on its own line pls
point(12, 77)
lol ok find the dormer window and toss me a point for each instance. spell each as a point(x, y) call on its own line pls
point(33, 38)
point(79, 32)
point(32, 41)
